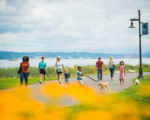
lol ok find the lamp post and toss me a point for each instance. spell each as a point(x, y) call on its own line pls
point(140, 48)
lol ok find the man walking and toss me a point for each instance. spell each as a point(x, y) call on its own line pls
point(99, 65)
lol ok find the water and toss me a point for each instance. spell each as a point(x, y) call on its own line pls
point(69, 62)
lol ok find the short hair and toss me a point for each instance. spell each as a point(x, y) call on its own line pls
point(42, 57)
point(99, 58)
point(79, 67)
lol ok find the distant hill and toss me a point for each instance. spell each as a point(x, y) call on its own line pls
point(16, 55)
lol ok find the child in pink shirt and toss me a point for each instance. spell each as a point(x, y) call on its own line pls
point(122, 72)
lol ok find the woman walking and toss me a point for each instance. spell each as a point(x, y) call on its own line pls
point(111, 67)
point(59, 66)
point(24, 70)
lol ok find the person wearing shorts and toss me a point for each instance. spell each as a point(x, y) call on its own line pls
point(42, 70)
point(59, 66)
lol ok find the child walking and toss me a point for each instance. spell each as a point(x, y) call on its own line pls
point(122, 72)
point(79, 75)
point(67, 76)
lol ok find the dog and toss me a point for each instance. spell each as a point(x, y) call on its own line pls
point(137, 82)
point(105, 86)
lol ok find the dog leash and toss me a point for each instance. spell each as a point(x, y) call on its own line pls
point(91, 78)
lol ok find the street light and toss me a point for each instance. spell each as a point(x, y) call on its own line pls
point(140, 49)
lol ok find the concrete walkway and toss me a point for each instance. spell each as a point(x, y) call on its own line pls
point(113, 84)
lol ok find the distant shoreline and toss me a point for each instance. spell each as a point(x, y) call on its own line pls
point(66, 55)
point(5, 63)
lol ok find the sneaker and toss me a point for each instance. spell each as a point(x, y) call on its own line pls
point(40, 82)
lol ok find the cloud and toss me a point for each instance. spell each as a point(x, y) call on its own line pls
point(71, 25)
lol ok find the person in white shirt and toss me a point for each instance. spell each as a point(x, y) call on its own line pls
point(59, 67)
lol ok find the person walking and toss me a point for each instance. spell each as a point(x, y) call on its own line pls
point(99, 65)
point(24, 70)
point(122, 72)
point(42, 70)
point(59, 66)
point(79, 76)
point(67, 76)
point(111, 67)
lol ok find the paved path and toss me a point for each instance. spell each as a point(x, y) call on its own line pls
point(113, 84)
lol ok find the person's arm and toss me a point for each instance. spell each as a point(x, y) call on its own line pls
point(104, 65)
point(63, 66)
point(45, 67)
point(68, 76)
point(124, 71)
point(28, 67)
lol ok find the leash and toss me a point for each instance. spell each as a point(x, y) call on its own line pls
point(91, 78)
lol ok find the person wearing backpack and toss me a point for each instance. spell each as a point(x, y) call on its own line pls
point(24, 70)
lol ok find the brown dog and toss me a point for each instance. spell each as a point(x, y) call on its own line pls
point(104, 86)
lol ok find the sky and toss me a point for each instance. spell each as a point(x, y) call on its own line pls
point(72, 25)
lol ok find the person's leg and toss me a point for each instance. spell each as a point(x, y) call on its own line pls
point(101, 74)
point(98, 76)
point(21, 78)
point(44, 76)
point(120, 81)
point(59, 78)
point(123, 81)
point(113, 70)
point(110, 73)
point(26, 78)
point(41, 78)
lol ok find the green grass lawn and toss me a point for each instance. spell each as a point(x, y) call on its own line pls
point(133, 91)
point(13, 82)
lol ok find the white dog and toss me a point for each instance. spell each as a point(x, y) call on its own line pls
point(137, 82)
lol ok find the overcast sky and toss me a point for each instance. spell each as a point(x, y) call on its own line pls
point(72, 25)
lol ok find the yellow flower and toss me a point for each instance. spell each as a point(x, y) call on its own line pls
point(94, 115)
point(54, 90)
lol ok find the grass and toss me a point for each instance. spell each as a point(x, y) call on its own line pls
point(88, 69)
point(133, 91)
point(13, 82)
